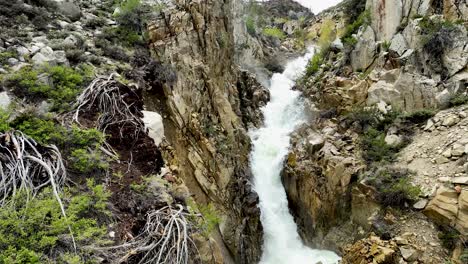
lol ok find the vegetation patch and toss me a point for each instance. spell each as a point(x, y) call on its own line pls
point(59, 85)
point(274, 33)
point(362, 20)
point(458, 100)
point(393, 186)
point(438, 36)
point(81, 147)
point(35, 230)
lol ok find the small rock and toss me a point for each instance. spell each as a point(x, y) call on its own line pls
point(393, 140)
point(401, 241)
point(22, 51)
point(458, 189)
point(61, 57)
point(4, 100)
point(447, 153)
point(441, 160)
point(450, 121)
point(458, 150)
point(71, 41)
point(460, 180)
point(62, 24)
point(420, 205)
point(409, 254)
point(13, 61)
point(429, 125)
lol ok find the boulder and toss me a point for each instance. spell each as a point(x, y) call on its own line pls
point(71, 41)
point(420, 205)
point(154, 124)
point(382, 91)
point(337, 45)
point(417, 92)
point(455, 58)
point(462, 220)
point(393, 140)
point(458, 150)
point(60, 58)
point(291, 26)
point(45, 55)
point(450, 120)
point(69, 9)
point(443, 209)
point(398, 44)
point(5, 100)
point(363, 54)
point(460, 180)
point(315, 142)
point(409, 254)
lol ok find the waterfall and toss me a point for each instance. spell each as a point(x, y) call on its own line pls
point(282, 114)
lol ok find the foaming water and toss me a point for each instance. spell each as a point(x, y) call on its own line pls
point(282, 114)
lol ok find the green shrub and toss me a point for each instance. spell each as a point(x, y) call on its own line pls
point(420, 116)
point(314, 64)
point(4, 117)
point(352, 28)
point(274, 33)
point(80, 147)
point(375, 148)
point(85, 160)
point(31, 230)
point(449, 237)
point(209, 217)
point(459, 99)
point(4, 56)
point(365, 117)
point(43, 131)
point(438, 36)
point(353, 9)
point(250, 24)
point(96, 22)
point(393, 186)
point(58, 84)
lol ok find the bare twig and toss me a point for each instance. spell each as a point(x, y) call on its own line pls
point(27, 167)
point(166, 238)
point(104, 95)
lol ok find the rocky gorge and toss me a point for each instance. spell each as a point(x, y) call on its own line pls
point(134, 120)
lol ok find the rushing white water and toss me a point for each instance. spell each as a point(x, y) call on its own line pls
point(282, 114)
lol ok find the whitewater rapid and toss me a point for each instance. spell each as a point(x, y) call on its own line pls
point(285, 111)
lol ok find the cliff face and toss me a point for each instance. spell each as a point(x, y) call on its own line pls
point(206, 113)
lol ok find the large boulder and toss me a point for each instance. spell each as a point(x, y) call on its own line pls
point(462, 219)
point(154, 123)
point(383, 91)
point(443, 209)
point(363, 54)
point(69, 9)
point(416, 92)
point(398, 44)
point(455, 58)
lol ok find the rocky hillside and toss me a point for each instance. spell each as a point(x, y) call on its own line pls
point(120, 129)
point(384, 156)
